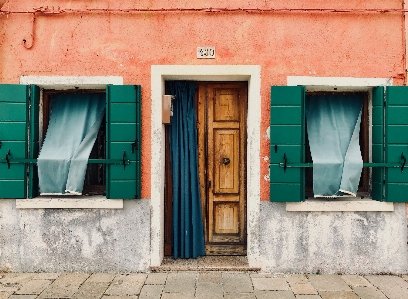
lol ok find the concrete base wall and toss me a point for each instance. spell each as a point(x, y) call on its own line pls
point(69, 240)
point(333, 242)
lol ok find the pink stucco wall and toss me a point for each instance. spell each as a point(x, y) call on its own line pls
point(359, 43)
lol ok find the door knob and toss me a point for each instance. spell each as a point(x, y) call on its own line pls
point(226, 161)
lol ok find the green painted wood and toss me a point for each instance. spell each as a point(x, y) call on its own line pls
point(378, 142)
point(122, 131)
point(396, 142)
point(287, 132)
point(294, 152)
point(34, 148)
point(13, 135)
point(118, 147)
point(123, 112)
point(13, 112)
point(12, 188)
point(283, 115)
point(291, 192)
point(123, 128)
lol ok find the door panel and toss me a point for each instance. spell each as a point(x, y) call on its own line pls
point(226, 162)
point(222, 141)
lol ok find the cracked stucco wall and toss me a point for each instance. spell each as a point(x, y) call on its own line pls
point(333, 242)
point(69, 240)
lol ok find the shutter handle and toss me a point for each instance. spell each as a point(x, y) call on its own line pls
point(8, 159)
point(285, 161)
point(405, 161)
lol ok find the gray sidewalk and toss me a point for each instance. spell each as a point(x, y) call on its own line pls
point(193, 284)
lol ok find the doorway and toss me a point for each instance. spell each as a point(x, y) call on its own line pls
point(222, 140)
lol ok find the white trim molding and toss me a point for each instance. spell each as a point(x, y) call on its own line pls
point(248, 73)
point(77, 202)
point(313, 205)
point(71, 82)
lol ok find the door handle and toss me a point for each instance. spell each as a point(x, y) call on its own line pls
point(226, 161)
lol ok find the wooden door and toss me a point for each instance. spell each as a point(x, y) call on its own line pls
point(222, 110)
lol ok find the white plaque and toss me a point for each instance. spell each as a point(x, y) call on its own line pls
point(205, 52)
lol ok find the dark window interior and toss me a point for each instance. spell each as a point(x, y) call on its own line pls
point(95, 177)
point(364, 185)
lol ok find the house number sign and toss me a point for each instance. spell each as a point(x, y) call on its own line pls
point(205, 52)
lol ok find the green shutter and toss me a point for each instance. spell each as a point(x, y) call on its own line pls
point(396, 143)
point(13, 137)
point(34, 140)
point(378, 142)
point(287, 137)
point(123, 116)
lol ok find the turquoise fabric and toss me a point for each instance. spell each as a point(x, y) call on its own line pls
point(71, 134)
point(333, 126)
point(188, 230)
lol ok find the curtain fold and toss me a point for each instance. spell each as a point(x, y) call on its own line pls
point(71, 134)
point(188, 230)
point(333, 126)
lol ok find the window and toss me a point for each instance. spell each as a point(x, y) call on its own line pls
point(95, 176)
point(20, 141)
point(364, 183)
point(388, 145)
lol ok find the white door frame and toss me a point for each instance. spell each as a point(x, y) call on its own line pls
point(244, 73)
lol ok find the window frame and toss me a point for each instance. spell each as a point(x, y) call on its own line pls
point(340, 84)
point(63, 83)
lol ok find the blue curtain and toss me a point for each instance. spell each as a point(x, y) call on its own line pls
point(333, 126)
point(188, 231)
point(71, 134)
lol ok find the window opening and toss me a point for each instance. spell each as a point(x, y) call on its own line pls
point(95, 176)
point(364, 187)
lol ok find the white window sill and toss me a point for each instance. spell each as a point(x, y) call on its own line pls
point(72, 202)
point(343, 205)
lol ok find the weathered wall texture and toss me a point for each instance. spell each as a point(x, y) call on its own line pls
point(55, 240)
point(66, 38)
point(333, 242)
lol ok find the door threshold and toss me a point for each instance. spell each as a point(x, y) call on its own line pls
point(206, 263)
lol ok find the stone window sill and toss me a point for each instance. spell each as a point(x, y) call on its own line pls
point(343, 205)
point(71, 202)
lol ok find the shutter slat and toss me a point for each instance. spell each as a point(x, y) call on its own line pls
point(13, 135)
point(123, 129)
point(287, 137)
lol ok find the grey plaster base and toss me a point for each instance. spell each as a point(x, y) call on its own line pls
point(333, 242)
point(70, 240)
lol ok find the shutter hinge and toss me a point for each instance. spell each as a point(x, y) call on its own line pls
point(135, 145)
point(1, 144)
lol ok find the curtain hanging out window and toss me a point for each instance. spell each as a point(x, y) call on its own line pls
point(333, 125)
point(71, 133)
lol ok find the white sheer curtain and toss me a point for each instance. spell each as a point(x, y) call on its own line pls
point(71, 134)
point(333, 126)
